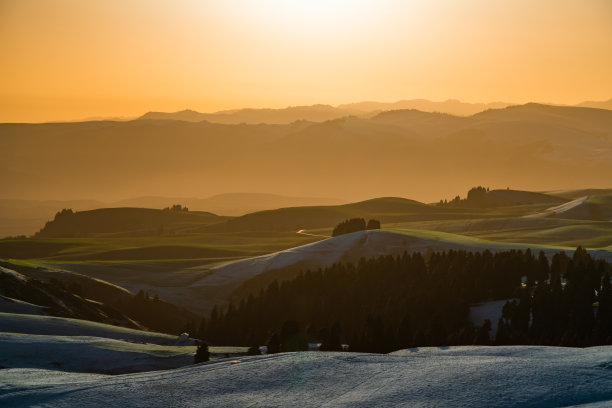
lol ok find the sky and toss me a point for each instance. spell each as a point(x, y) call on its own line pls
point(74, 59)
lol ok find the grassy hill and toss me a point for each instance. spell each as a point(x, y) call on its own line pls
point(385, 209)
point(514, 197)
point(481, 198)
point(126, 221)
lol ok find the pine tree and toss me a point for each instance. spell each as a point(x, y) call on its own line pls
point(202, 354)
point(274, 344)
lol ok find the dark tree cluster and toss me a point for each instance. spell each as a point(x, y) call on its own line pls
point(389, 303)
point(475, 196)
point(157, 314)
point(63, 213)
point(354, 225)
point(176, 207)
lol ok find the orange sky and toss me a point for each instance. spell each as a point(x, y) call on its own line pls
point(71, 59)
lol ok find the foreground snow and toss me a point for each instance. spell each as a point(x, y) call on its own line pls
point(57, 343)
point(456, 376)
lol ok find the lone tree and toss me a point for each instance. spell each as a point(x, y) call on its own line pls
point(202, 354)
point(274, 345)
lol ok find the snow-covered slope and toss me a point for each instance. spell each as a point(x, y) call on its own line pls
point(352, 247)
point(447, 377)
point(58, 343)
point(89, 354)
point(61, 326)
point(218, 283)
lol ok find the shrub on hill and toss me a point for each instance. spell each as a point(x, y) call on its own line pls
point(354, 225)
point(202, 354)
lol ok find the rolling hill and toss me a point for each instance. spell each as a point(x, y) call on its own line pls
point(126, 221)
point(296, 218)
point(25, 217)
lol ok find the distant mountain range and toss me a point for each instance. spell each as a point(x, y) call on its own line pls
point(321, 113)
point(595, 104)
point(405, 153)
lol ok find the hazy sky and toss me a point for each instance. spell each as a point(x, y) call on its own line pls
point(70, 59)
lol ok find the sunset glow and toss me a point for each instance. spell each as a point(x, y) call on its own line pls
point(71, 59)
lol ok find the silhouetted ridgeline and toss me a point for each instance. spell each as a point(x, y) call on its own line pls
point(389, 303)
point(481, 197)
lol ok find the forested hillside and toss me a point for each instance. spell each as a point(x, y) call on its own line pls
point(390, 303)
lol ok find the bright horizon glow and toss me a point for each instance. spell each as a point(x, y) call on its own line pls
point(69, 59)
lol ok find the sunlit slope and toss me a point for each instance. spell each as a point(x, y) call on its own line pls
point(405, 153)
point(519, 376)
point(573, 194)
point(592, 207)
point(523, 229)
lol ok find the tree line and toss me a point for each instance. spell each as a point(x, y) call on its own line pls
point(390, 303)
